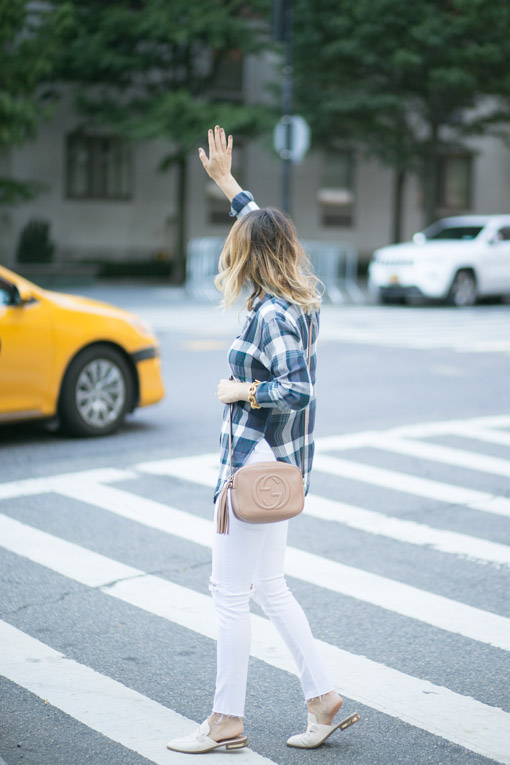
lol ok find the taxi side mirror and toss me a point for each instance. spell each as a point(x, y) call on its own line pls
point(419, 238)
point(20, 295)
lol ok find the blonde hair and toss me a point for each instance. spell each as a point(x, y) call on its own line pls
point(263, 251)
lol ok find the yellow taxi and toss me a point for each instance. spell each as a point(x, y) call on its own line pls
point(85, 362)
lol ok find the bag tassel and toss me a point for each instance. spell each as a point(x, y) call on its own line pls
point(223, 521)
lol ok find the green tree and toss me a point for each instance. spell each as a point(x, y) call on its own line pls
point(404, 81)
point(29, 41)
point(147, 70)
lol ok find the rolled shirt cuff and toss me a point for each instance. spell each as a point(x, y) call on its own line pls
point(242, 203)
point(272, 394)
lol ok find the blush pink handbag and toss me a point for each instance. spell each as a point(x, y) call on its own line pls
point(264, 492)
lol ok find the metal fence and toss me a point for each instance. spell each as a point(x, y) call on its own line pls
point(202, 266)
point(334, 263)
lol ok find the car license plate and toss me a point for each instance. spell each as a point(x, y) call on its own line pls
point(393, 279)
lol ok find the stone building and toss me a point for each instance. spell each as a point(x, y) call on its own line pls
point(106, 200)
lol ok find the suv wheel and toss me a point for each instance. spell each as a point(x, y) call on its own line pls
point(387, 300)
point(463, 289)
point(96, 393)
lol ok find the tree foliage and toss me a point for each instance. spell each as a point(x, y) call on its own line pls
point(148, 70)
point(29, 43)
point(403, 80)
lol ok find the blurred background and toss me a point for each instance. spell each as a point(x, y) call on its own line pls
point(368, 121)
point(405, 107)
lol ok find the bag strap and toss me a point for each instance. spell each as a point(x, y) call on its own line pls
point(305, 434)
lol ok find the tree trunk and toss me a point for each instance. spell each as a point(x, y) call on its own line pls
point(430, 178)
point(179, 275)
point(399, 182)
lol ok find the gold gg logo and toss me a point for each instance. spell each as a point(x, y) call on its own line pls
point(271, 491)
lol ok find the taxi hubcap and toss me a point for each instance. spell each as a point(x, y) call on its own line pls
point(100, 392)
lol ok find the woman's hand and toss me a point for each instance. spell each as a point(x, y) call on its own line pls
point(230, 391)
point(219, 163)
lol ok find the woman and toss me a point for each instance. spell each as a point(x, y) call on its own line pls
point(263, 253)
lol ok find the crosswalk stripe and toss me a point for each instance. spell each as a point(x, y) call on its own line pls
point(397, 597)
point(408, 532)
point(484, 434)
point(413, 484)
point(199, 470)
point(461, 719)
point(444, 454)
point(418, 430)
point(99, 702)
point(422, 341)
point(405, 329)
point(26, 487)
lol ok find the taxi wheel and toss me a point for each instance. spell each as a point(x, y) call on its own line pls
point(96, 393)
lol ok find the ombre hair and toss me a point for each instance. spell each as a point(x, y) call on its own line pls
point(263, 252)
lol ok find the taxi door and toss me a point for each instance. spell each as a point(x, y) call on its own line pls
point(26, 354)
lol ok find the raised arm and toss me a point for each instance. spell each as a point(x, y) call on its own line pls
point(219, 163)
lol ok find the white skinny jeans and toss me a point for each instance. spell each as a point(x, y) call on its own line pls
point(249, 561)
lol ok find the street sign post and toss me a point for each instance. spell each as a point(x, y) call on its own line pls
point(291, 137)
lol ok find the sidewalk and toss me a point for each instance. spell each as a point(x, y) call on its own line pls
point(134, 292)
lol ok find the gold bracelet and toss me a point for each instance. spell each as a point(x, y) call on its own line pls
point(251, 395)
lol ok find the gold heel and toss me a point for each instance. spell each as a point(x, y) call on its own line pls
point(349, 721)
point(237, 744)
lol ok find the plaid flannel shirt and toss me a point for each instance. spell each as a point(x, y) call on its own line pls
point(272, 347)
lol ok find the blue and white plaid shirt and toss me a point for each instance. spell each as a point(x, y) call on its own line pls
point(272, 347)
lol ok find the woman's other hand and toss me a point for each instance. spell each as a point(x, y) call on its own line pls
point(230, 391)
point(219, 162)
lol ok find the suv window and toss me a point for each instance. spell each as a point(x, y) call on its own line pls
point(463, 233)
point(504, 234)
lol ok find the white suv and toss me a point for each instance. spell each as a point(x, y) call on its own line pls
point(456, 259)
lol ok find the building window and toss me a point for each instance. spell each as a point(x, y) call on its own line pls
point(98, 167)
point(228, 75)
point(336, 192)
point(217, 205)
point(454, 182)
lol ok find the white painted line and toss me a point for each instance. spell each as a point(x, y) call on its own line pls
point(412, 484)
point(30, 486)
point(455, 717)
point(419, 430)
point(87, 567)
point(394, 596)
point(102, 704)
point(444, 454)
point(451, 542)
point(200, 470)
point(421, 340)
point(484, 434)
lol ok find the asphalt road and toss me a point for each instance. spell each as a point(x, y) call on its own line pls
point(401, 559)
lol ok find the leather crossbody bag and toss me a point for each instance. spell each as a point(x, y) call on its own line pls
point(264, 492)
